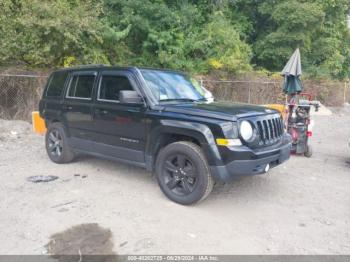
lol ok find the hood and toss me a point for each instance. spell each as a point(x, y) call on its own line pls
point(220, 110)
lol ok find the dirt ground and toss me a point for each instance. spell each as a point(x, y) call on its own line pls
point(301, 207)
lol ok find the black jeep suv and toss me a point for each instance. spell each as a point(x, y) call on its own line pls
point(159, 120)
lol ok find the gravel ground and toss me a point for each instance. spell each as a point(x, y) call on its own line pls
point(301, 207)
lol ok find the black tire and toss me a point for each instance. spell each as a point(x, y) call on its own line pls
point(56, 144)
point(183, 173)
point(309, 151)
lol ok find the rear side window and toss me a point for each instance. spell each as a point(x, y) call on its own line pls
point(81, 86)
point(56, 83)
point(111, 85)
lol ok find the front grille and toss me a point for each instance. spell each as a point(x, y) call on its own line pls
point(269, 129)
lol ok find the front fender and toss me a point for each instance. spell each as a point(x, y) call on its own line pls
point(198, 131)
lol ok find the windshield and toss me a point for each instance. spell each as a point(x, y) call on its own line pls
point(171, 86)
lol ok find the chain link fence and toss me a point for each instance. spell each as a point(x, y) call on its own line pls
point(329, 93)
point(252, 92)
point(20, 93)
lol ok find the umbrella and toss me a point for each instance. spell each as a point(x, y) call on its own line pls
point(292, 72)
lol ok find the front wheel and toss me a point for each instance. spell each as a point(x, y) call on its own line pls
point(183, 173)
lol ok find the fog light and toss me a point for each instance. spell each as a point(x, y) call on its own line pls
point(267, 168)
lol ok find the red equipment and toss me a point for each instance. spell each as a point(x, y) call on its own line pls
point(299, 122)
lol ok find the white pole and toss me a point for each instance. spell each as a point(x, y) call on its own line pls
point(249, 93)
point(344, 92)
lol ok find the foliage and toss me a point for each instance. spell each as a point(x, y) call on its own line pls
point(222, 45)
point(50, 33)
point(293, 26)
point(318, 27)
point(174, 35)
point(193, 35)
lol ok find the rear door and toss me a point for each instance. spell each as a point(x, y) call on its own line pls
point(119, 128)
point(77, 108)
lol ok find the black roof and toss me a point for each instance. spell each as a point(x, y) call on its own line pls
point(101, 66)
point(92, 67)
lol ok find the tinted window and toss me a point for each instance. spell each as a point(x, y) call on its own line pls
point(56, 83)
point(81, 86)
point(111, 85)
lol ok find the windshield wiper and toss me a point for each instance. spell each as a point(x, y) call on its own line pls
point(201, 99)
point(178, 99)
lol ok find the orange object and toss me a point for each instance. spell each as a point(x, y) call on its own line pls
point(39, 126)
point(280, 108)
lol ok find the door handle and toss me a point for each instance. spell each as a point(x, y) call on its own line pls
point(101, 112)
point(67, 107)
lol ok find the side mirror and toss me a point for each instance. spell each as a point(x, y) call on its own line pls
point(130, 97)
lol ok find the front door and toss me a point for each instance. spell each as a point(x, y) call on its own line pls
point(77, 108)
point(120, 130)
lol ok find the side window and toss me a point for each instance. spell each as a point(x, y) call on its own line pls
point(111, 85)
point(81, 86)
point(56, 84)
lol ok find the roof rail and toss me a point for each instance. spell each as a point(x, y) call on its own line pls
point(88, 66)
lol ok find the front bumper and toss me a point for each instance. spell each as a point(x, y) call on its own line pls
point(255, 165)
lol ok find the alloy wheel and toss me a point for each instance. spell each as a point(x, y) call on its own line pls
point(55, 143)
point(179, 174)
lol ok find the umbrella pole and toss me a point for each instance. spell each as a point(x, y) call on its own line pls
point(286, 109)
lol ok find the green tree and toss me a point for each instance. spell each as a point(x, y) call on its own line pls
point(51, 33)
point(156, 34)
point(318, 27)
point(192, 35)
point(221, 43)
point(292, 24)
point(175, 34)
point(330, 51)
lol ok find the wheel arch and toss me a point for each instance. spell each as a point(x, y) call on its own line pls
point(49, 121)
point(171, 131)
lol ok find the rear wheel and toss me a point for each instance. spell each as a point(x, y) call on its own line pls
point(183, 173)
point(57, 147)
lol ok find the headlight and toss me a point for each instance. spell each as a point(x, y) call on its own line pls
point(246, 130)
